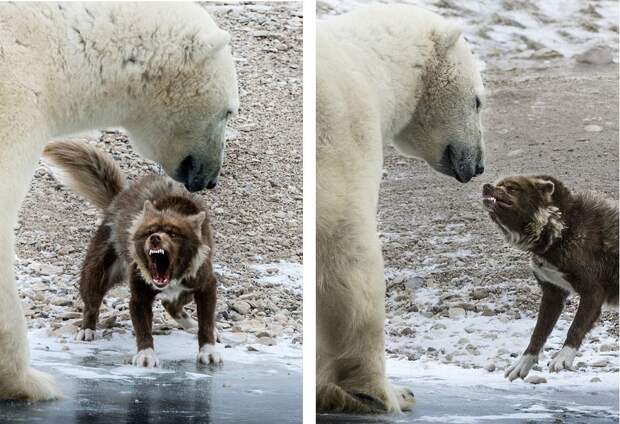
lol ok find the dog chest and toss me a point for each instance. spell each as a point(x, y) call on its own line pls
point(546, 271)
point(172, 292)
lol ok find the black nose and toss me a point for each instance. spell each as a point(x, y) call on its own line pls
point(211, 183)
point(192, 174)
point(487, 189)
point(155, 239)
point(479, 169)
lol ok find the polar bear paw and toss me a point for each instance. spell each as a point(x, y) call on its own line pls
point(209, 355)
point(85, 335)
point(146, 358)
point(563, 360)
point(32, 386)
point(521, 368)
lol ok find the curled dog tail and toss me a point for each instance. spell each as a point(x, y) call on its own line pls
point(86, 170)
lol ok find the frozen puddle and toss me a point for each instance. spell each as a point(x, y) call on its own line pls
point(476, 398)
point(100, 384)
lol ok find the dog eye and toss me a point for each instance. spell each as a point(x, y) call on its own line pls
point(478, 103)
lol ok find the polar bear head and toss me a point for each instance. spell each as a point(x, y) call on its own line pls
point(187, 92)
point(445, 128)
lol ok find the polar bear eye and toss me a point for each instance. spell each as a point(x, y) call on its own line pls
point(478, 103)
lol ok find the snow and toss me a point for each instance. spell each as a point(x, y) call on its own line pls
point(514, 28)
point(282, 273)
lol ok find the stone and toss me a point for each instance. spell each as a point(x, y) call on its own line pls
point(46, 269)
point(597, 54)
point(593, 128)
point(535, 379)
point(595, 380)
point(62, 301)
point(266, 341)
point(601, 364)
point(490, 367)
point(456, 312)
point(241, 307)
point(608, 348)
point(479, 293)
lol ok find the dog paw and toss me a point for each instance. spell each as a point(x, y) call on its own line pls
point(209, 355)
point(145, 358)
point(521, 368)
point(405, 397)
point(563, 360)
point(85, 335)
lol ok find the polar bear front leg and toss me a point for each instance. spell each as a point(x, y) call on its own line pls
point(17, 380)
point(350, 326)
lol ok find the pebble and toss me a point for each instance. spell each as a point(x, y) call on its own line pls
point(593, 128)
point(601, 364)
point(479, 293)
point(490, 367)
point(595, 380)
point(608, 348)
point(456, 312)
point(598, 54)
point(535, 379)
point(241, 307)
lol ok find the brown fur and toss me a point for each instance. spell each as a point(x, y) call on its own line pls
point(573, 233)
point(153, 213)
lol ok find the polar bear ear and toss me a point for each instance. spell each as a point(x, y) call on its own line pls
point(215, 42)
point(451, 37)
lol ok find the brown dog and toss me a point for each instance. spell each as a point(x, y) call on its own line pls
point(156, 235)
point(573, 240)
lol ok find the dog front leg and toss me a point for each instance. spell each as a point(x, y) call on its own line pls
point(206, 300)
point(141, 311)
point(588, 312)
point(551, 306)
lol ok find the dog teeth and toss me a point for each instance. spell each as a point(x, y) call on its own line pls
point(156, 251)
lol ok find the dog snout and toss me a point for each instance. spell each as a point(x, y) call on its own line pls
point(479, 169)
point(155, 240)
point(487, 189)
point(211, 183)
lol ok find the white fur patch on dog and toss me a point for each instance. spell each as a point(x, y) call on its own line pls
point(186, 321)
point(209, 354)
point(563, 360)
point(545, 271)
point(521, 368)
point(145, 358)
point(85, 335)
point(172, 292)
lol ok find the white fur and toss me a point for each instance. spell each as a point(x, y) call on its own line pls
point(188, 323)
point(163, 72)
point(210, 354)
point(563, 360)
point(145, 358)
point(521, 368)
point(371, 67)
point(85, 335)
point(545, 271)
point(172, 292)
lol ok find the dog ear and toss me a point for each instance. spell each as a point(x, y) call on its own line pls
point(197, 220)
point(149, 208)
point(546, 187)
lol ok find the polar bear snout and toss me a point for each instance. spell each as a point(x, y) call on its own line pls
point(196, 174)
point(461, 164)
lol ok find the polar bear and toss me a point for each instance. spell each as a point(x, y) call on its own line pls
point(165, 73)
point(385, 74)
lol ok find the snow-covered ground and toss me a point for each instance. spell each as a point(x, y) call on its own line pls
point(519, 29)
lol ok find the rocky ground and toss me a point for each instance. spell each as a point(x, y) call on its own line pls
point(256, 209)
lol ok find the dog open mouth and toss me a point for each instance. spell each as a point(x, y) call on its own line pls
point(160, 267)
point(491, 202)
